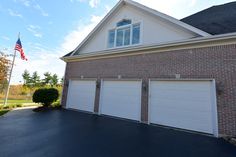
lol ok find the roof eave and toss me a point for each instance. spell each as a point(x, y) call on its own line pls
point(208, 39)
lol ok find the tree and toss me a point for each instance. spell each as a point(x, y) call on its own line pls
point(26, 77)
point(62, 81)
point(4, 70)
point(35, 79)
point(47, 78)
point(54, 80)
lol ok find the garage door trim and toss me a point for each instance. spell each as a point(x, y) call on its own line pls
point(68, 92)
point(122, 79)
point(213, 96)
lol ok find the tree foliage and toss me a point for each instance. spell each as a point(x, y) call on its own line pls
point(35, 81)
point(26, 77)
point(4, 66)
point(4, 70)
point(54, 80)
point(47, 78)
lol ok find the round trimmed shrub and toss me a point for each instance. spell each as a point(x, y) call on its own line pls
point(45, 96)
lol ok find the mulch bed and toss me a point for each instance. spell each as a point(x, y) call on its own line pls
point(49, 108)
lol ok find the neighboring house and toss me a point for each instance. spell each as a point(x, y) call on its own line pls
point(143, 65)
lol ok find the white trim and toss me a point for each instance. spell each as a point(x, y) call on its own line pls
point(130, 26)
point(122, 79)
point(214, 108)
point(83, 79)
point(143, 8)
point(116, 7)
point(199, 40)
point(148, 101)
point(213, 98)
point(181, 79)
point(68, 92)
point(100, 97)
point(63, 83)
point(140, 97)
point(168, 18)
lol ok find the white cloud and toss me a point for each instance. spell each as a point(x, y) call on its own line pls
point(35, 30)
point(169, 7)
point(42, 59)
point(41, 10)
point(13, 13)
point(5, 38)
point(25, 2)
point(33, 4)
point(94, 3)
point(73, 38)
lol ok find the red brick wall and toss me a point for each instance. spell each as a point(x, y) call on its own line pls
point(218, 62)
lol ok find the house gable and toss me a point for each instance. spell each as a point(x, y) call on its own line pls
point(155, 28)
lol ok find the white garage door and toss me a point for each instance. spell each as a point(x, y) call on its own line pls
point(183, 104)
point(81, 95)
point(121, 99)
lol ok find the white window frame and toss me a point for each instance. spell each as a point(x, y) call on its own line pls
point(131, 36)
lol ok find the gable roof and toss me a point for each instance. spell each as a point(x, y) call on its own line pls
point(143, 8)
point(215, 20)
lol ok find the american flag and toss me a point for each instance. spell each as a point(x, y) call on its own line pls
point(19, 48)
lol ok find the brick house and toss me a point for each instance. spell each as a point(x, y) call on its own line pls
point(145, 66)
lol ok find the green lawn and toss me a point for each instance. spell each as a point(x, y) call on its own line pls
point(16, 101)
point(2, 112)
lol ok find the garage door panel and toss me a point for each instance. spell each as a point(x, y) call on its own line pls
point(180, 121)
point(188, 96)
point(182, 104)
point(121, 99)
point(190, 106)
point(182, 116)
point(81, 95)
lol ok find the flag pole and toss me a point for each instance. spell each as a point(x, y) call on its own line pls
point(9, 81)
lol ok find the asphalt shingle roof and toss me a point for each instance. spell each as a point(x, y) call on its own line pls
point(215, 20)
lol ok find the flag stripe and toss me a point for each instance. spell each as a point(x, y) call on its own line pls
point(19, 48)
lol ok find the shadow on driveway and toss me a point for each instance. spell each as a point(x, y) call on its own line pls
point(69, 133)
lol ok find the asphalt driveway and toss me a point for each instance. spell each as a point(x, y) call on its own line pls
point(70, 133)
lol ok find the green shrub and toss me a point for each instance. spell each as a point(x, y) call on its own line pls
point(56, 104)
point(6, 107)
point(19, 105)
point(45, 96)
point(12, 106)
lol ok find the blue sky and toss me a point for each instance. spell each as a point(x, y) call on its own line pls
point(50, 29)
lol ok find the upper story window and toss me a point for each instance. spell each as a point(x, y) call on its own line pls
point(123, 22)
point(124, 34)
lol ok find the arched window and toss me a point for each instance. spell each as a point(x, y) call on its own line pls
point(124, 34)
point(123, 22)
